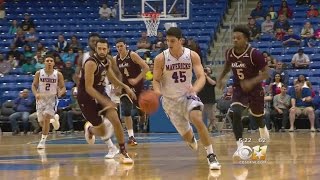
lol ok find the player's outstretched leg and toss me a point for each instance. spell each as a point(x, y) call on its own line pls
point(236, 113)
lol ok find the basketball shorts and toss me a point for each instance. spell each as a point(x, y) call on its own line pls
point(178, 109)
point(46, 105)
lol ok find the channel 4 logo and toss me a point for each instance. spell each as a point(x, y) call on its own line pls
point(256, 154)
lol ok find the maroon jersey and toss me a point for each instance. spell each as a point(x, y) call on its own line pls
point(99, 76)
point(246, 65)
point(129, 69)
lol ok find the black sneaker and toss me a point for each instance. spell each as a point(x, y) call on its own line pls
point(213, 162)
point(132, 141)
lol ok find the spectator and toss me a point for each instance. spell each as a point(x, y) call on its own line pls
point(28, 53)
point(5, 66)
point(208, 98)
point(194, 46)
point(2, 11)
point(13, 27)
point(258, 13)
point(19, 40)
point(307, 33)
point(312, 12)
point(74, 44)
point(269, 59)
point(291, 39)
point(79, 57)
point(37, 57)
point(303, 81)
point(144, 43)
point(254, 28)
point(69, 56)
point(39, 64)
point(68, 71)
point(16, 54)
point(285, 10)
point(42, 49)
point(74, 111)
point(105, 12)
point(267, 25)
point(62, 45)
point(58, 63)
point(31, 37)
point(281, 23)
point(281, 104)
point(275, 87)
point(23, 107)
point(183, 42)
point(301, 102)
point(273, 13)
point(28, 67)
point(157, 43)
point(301, 2)
point(279, 70)
point(12, 61)
point(300, 60)
point(27, 23)
point(280, 33)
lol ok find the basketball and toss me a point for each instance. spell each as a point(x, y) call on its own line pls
point(149, 102)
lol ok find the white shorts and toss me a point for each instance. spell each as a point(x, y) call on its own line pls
point(178, 109)
point(46, 105)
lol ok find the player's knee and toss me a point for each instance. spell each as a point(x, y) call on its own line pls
point(237, 110)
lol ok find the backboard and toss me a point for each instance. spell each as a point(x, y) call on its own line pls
point(170, 10)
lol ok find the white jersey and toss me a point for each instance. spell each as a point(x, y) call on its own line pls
point(48, 83)
point(85, 57)
point(177, 74)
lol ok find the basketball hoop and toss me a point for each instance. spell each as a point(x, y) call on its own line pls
point(152, 21)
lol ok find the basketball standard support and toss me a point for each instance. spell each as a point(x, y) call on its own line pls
point(165, 15)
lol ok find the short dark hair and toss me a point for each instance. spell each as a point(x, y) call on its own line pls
point(268, 15)
point(243, 29)
point(121, 40)
point(93, 35)
point(49, 55)
point(174, 31)
point(101, 40)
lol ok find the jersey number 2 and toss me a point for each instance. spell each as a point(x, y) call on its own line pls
point(179, 76)
point(47, 87)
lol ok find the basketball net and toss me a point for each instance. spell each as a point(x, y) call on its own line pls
point(152, 21)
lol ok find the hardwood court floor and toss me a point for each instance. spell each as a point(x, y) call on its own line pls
point(158, 156)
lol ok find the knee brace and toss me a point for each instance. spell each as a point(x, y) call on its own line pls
point(126, 106)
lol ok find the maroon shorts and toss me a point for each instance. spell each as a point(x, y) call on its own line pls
point(90, 109)
point(253, 99)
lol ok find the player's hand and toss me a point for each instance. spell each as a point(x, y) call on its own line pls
point(133, 81)
point(38, 96)
point(246, 85)
point(60, 93)
point(220, 84)
point(191, 91)
point(130, 92)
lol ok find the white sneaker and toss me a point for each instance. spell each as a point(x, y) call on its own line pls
point(236, 157)
point(92, 139)
point(264, 133)
point(42, 144)
point(194, 144)
point(112, 152)
point(213, 162)
point(56, 123)
point(125, 158)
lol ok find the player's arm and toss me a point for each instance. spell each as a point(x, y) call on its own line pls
point(90, 67)
point(198, 70)
point(115, 68)
point(157, 72)
point(35, 85)
point(144, 67)
point(62, 89)
point(264, 74)
point(116, 82)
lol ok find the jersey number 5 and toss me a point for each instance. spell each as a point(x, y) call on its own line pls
point(240, 74)
point(47, 87)
point(179, 76)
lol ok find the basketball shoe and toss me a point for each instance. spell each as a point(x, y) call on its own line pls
point(125, 158)
point(132, 141)
point(90, 138)
point(194, 144)
point(213, 162)
point(113, 151)
point(42, 144)
point(264, 133)
point(55, 122)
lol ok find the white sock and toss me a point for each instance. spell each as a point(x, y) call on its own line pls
point(130, 132)
point(44, 137)
point(109, 143)
point(209, 149)
point(52, 120)
point(239, 144)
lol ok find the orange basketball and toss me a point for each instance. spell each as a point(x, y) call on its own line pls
point(149, 101)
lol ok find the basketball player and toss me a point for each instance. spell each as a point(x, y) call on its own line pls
point(94, 103)
point(133, 70)
point(47, 84)
point(92, 40)
point(172, 75)
point(249, 69)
